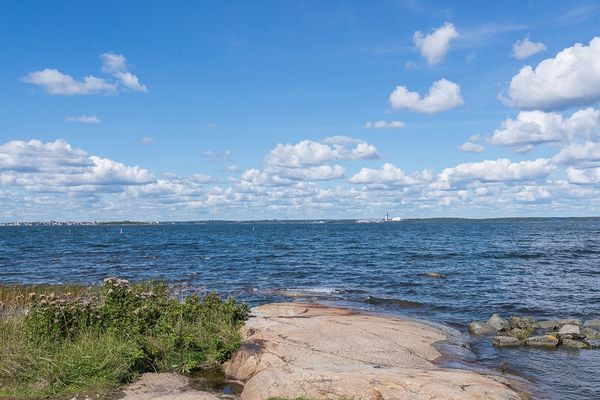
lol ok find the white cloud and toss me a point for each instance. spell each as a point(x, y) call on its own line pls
point(525, 48)
point(501, 170)
point(532, 194)
point(116, 65)
point(442, 95)
point(255, 177)
point(310, 153)
point(216, 157)
point(589, 176)
point(387, 174)
point(585, 155)
point(315, 173)
point(434, 45)
point(56, 166)
point(470, 147)
point(55, 82)
point(87, 119)
point(147, 140)
point(571, 78)
point(384, 125)
point(531, 128)
point(55, 180)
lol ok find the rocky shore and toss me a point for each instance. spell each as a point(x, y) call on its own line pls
point(524, 331)
point(294, 350)
point(291, 350)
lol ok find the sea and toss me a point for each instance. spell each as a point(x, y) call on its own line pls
point(541, 268)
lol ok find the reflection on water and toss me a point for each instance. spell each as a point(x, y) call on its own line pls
point(451, 272)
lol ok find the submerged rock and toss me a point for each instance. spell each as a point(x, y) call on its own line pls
point(480, 328)
point(507, 341)
point(571, 330)
point(521, 322)
point(498, 323)
point(542, 341)
point(590, 333)
point(592, 323)
point(434, 275)
point(576, 344)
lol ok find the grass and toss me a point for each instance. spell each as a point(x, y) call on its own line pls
point(89, 341)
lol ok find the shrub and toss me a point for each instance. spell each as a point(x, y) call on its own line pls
point(95, 341)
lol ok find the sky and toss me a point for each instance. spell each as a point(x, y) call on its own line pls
point(185, 110)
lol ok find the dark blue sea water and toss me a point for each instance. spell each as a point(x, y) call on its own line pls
point(544, 268)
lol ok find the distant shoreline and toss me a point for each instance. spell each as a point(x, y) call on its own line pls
point(280, 221)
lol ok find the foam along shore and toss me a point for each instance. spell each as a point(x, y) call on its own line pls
point(292, 350)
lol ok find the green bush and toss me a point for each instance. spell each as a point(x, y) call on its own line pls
point(93, 342)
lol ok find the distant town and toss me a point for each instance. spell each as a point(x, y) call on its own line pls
point(73, 223)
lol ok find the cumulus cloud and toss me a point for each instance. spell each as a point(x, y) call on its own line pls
point(586, 155)
point(86, 119)
point(384, 125)
point(316, 173)
point(470, 147)
point(434, 45)
point(55, 178)
point(532, 194)
point(311, 153)
point(255, 177)
point(442, 95)
point(57, 166)
point(571, 78)
point(531, 128)
point(589, 176)
point(525, 48)
point(116, 65)
point(501, 170)
point(147, 140)
point(55, 82)
point(387, 174)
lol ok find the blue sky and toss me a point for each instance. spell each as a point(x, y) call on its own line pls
point(281, 109)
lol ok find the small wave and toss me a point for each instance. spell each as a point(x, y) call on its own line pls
point(315, 290)
point(393, 302)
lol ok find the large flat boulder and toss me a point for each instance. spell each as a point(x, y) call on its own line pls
point(291, 350)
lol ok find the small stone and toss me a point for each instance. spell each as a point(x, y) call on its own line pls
point(594, 343)
point(542, 341)
point(480, 328)
point(592, 323)
point(575, 344)
point(547, 324)
point(572, 330)
point(521, 322)
point(563, 322)
point(498, 323)
point(590, 333)
point(506, 341)
point(520, 333)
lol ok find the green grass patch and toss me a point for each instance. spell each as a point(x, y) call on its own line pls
point(91, 341)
